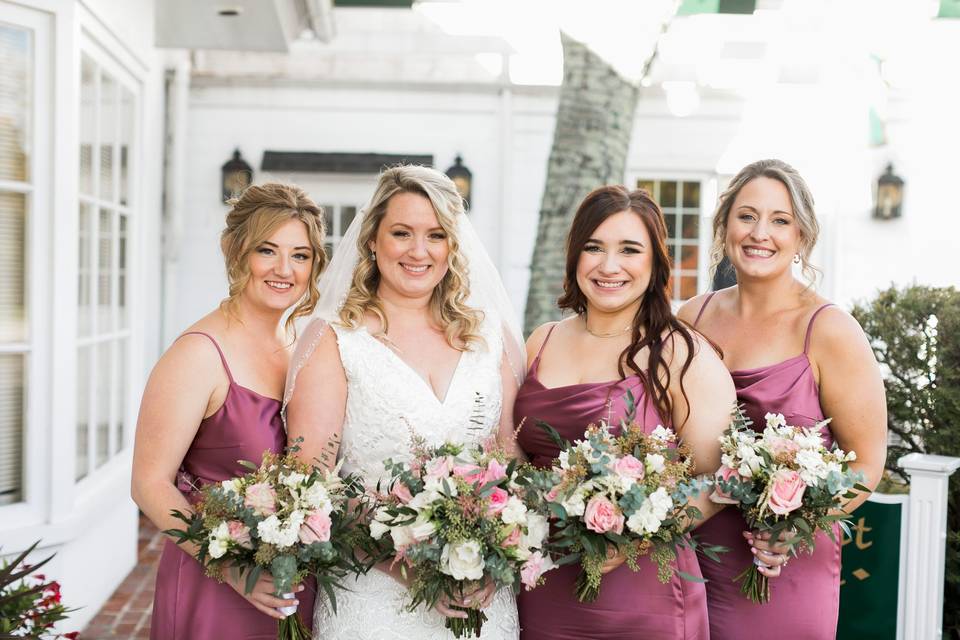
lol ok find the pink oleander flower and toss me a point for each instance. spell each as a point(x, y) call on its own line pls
point(496, 470)
point(786, 491)
point(316, 528)
point(629, 467)
point(497, 501)
point(262, 498)
point(239, 533)
point(719, 496)
point(401, 492)
point(601, 516)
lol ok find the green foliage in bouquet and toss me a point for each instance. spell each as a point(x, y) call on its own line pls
point(915, 335)
point(29, 605)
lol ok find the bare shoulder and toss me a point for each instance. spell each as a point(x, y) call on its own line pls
point(677, 349)
point(689, 310)
point(537, 337)
point(834, 329)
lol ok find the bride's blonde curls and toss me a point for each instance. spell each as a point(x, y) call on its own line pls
point(448, 303)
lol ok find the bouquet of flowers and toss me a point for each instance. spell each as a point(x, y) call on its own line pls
point(783, 480)
point(628, 492)
point(29, 605)
point(286, 517)
point(457, 515)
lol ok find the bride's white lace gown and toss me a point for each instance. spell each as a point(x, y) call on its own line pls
point(386, 399)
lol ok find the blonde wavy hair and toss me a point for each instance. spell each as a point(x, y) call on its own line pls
point(460, 323)
point(254, 216)
point(801, 199)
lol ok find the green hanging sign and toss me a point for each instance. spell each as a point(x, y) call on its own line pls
point(872, 559)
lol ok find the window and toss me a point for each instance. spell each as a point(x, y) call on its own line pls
point(16, 187)
point(337, 218)
point(680, 202)
point(107, 109)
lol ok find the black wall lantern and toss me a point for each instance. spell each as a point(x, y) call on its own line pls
point(463, 178)
point(236, 175)
point(889, 195)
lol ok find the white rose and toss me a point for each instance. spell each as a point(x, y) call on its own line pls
point(422, 528)
point(435, 487)
point(462, 560)
point(232, 486)
point(293, 479)
point(643, 520)
point(217, 548)
point(775, 420)
point(655, 463)
point(317, 499)
point(574, 505)
point(661, 502)
point(219, 540)
point(402, 537)
point(515, 512)
point(537, 530)
point(424, 499)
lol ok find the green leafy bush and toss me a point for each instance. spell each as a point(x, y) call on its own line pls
point(29, 604)
point(915, 334)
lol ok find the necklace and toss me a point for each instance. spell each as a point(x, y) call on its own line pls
point(612, 334)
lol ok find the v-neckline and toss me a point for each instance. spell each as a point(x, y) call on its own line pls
point(426, 383)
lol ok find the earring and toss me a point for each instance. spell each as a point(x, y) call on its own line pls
point(373, 256)
point(796, 258)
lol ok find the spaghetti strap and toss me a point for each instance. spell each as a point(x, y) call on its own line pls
point(703, 308)
point(219, 350)
point(535, 366)
point(806, 340)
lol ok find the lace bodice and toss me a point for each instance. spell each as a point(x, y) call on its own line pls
point(387, 401)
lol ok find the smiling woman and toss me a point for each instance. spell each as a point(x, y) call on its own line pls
point(200, 415)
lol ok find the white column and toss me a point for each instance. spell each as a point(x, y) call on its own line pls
point(926, 543)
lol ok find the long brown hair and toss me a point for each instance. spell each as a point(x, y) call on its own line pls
point(654, 319)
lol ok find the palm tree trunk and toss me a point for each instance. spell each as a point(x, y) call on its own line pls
point(590, 141)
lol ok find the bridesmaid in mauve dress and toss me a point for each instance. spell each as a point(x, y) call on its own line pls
point(196, 421)
point(759, 326)
point(581, 368)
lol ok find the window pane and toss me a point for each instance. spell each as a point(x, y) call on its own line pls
point(108, 133)
point(347, 214)
point(688, 257)
point(328, 218)
point(126, 142)
point(647, 185)
point(16, 95)
point(691, 227)
point(691, 195)
point(688, 287)
point(103, 381)
point(668, 194)
point(88, 123)
point(122, 272)
point(672, 252)
point(671, 221)
point(85, 272)
point(83, 412)
point(12, 376)
point(120, 399)
point(105, 272)
point(328, 247)
point(13, 308)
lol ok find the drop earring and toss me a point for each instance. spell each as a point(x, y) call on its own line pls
point(373, 256)
point(796, 258)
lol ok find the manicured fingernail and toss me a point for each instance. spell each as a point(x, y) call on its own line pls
point(753, 550)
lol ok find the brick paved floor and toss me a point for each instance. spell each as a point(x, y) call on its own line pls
point(127, 613)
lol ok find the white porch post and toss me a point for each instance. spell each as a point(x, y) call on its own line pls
point(926, 543)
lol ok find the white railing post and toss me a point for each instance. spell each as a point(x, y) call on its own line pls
point(926, 543)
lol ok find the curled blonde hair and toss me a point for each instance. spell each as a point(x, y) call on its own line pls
point(801, 199)
point(254, 216)
point(448, 307)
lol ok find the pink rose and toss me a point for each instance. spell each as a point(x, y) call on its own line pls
point(786, 491)
point(496, 470)
point(513, 538)
point(719, 496)
point(497, 501)
point(437, 468)
point(629, 467)
point(240, 533)
point(601, 516)
point(401, 492)
point(552, 494)
point(784, 447)
point(535, 566)
point(261, 498)
point(316, 528)
point(471, 473)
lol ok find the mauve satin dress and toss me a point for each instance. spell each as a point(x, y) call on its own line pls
point(630, 605)
point(188, 605)
point(805, 599)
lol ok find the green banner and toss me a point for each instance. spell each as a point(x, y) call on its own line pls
point(870, 575)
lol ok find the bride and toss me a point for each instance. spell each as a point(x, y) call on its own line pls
point(421, 341)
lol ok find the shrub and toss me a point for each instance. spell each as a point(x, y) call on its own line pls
point(915, 335)
point(29, 605)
